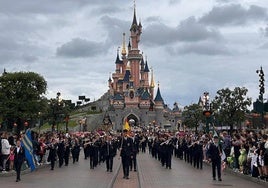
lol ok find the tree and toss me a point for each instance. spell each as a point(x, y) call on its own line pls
point(230, 106)
point(21, 97)
point(192, 115)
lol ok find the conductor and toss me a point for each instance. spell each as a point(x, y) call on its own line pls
point(126, 152)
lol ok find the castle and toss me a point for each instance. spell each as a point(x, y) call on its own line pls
point(131, 91)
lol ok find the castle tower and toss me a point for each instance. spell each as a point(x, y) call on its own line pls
point(130, 88)
point(134, 55)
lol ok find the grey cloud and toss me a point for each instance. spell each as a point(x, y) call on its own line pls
point(234, 14)
point(16, 50)
point(78, 47)
point(266, 31)
point(264, 46)
point(152, 19)
point(115, 28)
point(172, 2)
point(226, 1)
point(105, 10)
point(159, 34)
point(202, 48)
point(41, 6)
point(29, 58)
point(54, 6)
point(8, 44)
point(189, 30)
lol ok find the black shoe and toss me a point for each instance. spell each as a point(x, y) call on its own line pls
point(135, 170)
point(220, 179)
point(214, 178)
point(111, 170)
point(107, 170)
point(124, 177)
point(17, 180)
point(127, 177)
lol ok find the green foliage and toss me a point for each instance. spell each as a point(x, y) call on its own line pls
point(192, 116)
point(230, 106)
point(22, 95)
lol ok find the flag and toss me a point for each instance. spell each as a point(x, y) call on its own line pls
point(215, 133)
point(126, 126)
point(28, 147)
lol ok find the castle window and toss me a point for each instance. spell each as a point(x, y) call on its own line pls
point(131, 94)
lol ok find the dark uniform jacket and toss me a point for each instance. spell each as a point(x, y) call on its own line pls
point(126, 147)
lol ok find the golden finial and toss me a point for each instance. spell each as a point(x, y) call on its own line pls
point(124, 52)
point(152, 85)
point(128, 66)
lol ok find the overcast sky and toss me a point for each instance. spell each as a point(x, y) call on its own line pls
point(192, 45)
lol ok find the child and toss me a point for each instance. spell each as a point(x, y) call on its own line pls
point(242, 159)
point(11, 158)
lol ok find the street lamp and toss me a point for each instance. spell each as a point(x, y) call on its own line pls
point(57, 105)
point(262, 91)
point(67, 117)
point(206, 109)
point(39, 122)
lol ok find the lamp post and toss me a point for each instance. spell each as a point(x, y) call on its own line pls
point(262, 91)
point(58, 101)
point(67, 117)
point(206, 110)
point(39, 122)
point(57, 105)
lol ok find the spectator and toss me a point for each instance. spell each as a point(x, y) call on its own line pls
point(5, 151)
point(237, 146)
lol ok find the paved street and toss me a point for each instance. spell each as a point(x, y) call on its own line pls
point(150, 174)
point(153, 175)
point(78, 175)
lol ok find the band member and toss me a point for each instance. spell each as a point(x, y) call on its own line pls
point(60, 152)
point(67, 150)
point(52, 153)
point(136, 143)
point(19, 156)
point(75, 150)
point(126, 150)
point(91, 153)
point(109, 153)
point(214, 155)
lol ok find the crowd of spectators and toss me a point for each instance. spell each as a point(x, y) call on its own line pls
point(245, 151)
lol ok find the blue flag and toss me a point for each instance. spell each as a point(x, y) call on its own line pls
point(27, 144)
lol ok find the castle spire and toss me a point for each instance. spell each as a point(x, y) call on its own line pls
point(118, 61)
point(146, 69)
point(158, 97)
point(124, 52)
point(134, 22)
